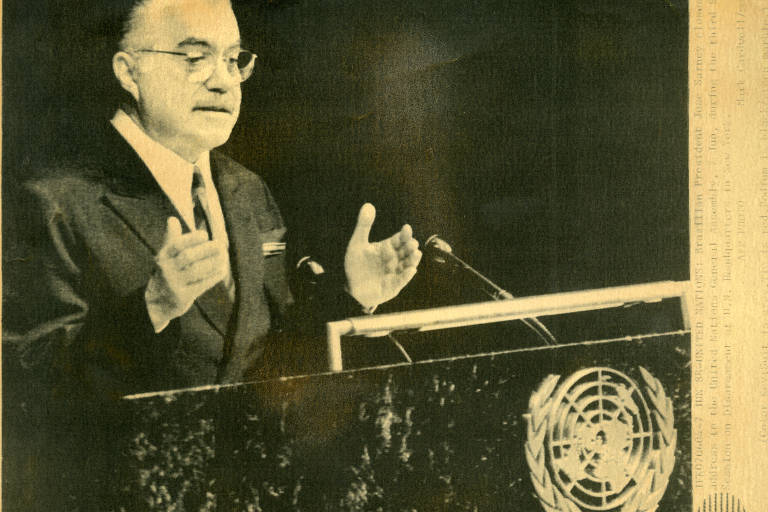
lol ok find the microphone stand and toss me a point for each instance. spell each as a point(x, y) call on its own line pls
point(493, 290)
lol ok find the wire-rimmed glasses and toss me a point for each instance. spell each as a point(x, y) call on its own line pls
point(200, 64)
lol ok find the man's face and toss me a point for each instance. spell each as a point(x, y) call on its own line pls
point(186, 116)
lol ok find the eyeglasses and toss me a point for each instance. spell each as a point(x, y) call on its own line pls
point(201, 63)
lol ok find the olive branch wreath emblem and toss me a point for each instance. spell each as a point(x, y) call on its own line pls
point(593, 443)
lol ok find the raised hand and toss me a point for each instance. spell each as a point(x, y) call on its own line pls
point(376, 272)
point(187, 266)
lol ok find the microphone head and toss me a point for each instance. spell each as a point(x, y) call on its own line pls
point(437, 248)
point(436, 242)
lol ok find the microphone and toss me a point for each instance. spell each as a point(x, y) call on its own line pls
point(440, 251)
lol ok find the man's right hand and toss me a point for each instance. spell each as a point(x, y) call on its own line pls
point(187, 266)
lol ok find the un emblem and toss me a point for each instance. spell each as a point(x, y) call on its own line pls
point(600, 442)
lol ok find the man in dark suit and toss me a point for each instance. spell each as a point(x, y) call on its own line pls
point(160, 262)
point(157, 263)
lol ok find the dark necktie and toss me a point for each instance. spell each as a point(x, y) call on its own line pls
point(200, 203)
point(201, 212)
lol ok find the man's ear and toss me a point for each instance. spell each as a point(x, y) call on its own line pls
point(123, 66)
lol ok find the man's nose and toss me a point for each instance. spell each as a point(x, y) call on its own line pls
point(221, 79)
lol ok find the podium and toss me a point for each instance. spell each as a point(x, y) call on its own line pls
point(608, 421)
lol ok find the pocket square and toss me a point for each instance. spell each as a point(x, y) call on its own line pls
point(273, 244)
point(273, 248)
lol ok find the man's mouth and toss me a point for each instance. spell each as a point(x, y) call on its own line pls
point(212, 108)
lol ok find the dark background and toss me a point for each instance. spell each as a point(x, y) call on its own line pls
point(547, 141)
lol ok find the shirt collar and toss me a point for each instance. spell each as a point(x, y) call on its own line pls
point(172, 173)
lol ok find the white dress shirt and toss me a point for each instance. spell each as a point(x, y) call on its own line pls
point(174, 176)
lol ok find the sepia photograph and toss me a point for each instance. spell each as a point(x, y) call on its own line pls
point(349, 256)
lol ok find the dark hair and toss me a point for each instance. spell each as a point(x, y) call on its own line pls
point(128, 18)
point(112, 20)
point(110, 23)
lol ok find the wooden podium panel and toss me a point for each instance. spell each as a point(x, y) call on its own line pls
point(437, 435)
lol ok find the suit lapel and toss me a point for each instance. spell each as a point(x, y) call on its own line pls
point(135, 196)
point(246, 257)
point(139, 201)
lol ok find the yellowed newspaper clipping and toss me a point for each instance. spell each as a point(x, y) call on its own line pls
point(729, 252)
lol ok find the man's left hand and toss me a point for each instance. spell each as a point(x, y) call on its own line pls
point(376, 272)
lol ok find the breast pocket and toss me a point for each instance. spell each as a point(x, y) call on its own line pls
point(272, 242)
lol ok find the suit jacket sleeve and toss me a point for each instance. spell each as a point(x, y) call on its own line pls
point(301, 305)
point(55, 330)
